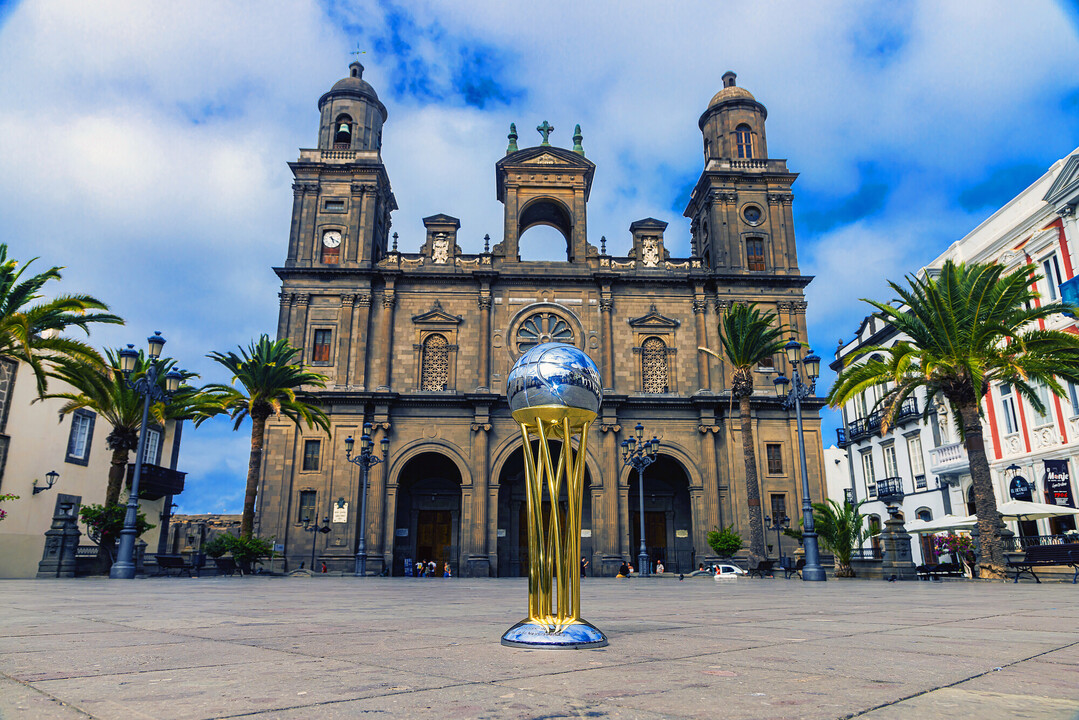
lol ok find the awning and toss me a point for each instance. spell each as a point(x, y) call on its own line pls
point(948, 522)
point(1022, 510)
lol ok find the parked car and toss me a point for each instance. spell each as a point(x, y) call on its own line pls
point(727, 569)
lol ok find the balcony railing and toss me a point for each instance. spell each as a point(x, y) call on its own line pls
point(848, 496)
point(1019, 543)
point(869, 425)
point(841, 437)
point(156, 482)
point(952, 456)
point(890, 489)
point(869, 553)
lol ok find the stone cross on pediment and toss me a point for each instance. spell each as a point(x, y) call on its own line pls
point(545, 130)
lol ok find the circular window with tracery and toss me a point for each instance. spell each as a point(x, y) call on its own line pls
point(542, 327)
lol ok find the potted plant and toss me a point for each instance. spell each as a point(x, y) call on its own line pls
point(725, 542)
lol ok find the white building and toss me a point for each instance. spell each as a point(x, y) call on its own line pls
point(1032, 456)
point(35, 440)
point(927, 463)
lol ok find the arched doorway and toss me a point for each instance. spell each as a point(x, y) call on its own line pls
point(513, 513)
point(428, 522)
point(668, 516)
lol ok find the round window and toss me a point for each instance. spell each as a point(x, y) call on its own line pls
point(752, 214)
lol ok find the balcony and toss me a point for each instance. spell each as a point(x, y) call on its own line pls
point(890, 490)
point(841, 437)
point(950, 459)
point(864, 427)
point(156, 482)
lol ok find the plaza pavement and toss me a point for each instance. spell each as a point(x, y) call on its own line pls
point(333, 647)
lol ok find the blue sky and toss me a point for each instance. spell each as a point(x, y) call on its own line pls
point(144, 145)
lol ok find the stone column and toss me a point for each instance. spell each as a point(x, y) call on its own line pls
point(356, 229)
point(298, 325)
point(294, 228)
point(478, 564)
point(484, 380)
point(606, 308)
point(361, 318)
point(609, 543)
point(283, 314)
point(704, 384)
point(713, 514)
point(376, 502)
point(344, 337)
point(305, 231)
point(389, 299)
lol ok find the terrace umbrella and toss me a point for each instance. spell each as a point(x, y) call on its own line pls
point(948, 522)
point(1022, 510)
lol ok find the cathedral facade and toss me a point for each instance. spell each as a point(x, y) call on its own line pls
point(419, 345)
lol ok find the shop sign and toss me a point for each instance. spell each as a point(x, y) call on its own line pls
point(1020, 489)
point(1058, 484)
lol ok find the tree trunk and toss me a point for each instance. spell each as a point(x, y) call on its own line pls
point(991, 547)
point(753, 493)
point(117, 473)
point(254, 465)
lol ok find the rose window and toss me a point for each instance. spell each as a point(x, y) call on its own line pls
point(543, 327)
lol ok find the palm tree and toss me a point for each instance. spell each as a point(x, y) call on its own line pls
point(749, 336)
point(840, 528)
point(973, 325)
point(31, 333)
point(272, 386)
point(102, 387)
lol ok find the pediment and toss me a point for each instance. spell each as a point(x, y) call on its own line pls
point(436, 316)
point(442, 219)
point(655, 320)
point(1067, 182)
point(547, 155)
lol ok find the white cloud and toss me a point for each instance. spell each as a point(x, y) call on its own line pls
point(145, 145)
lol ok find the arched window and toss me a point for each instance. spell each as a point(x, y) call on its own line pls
point(342, 132)
point(435, 363)
point(654, 365)
point(924, 514)
point(874, 532)
point(744, 138)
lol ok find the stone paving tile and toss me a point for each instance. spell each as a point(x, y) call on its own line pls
point(710, 690)
point(360, 645)
point(1044, 679)
point(96, 640)
point(22, 702)
point(931, 645)
point(959, 703)
point(1067, 656)
point(182, 694)
point(479, 702)
point(91, 661)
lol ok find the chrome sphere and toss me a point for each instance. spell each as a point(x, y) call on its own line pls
point(554, 374)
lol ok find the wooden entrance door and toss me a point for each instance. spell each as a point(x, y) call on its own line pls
point(434, 536)
point(655, 534)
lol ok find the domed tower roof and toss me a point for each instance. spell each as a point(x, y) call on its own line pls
point(731, 97)
point(354, 86)
point(730, 92)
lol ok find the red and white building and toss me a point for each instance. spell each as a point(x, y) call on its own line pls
point(1033, 456)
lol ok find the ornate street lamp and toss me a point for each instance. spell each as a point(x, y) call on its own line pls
point(799, 391)
point(314, 528)
point(124, 567)
point(366, 460)
point(639, 453)
point(50, 479)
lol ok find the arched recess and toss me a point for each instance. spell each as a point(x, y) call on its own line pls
point(427, 511)
point(549, 212)
point(512, 533)
point(668, 515)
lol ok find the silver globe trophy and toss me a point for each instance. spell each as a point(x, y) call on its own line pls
point(554, 393)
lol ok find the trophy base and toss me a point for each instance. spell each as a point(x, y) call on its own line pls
point(530, 634)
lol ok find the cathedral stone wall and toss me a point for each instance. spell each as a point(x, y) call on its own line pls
point(418, 341)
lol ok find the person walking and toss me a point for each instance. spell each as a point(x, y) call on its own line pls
point(445, 570)
point(584, 566)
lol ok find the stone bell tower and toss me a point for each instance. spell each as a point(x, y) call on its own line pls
point(740, 209)
point(545, 185)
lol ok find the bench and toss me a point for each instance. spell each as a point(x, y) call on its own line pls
point(790, 571)
point(227, 566)
point(167, 563)
point(764, 567)
point(1043, 555)
point(934, 570)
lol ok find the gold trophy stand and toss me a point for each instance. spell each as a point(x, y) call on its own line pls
point(554, 577)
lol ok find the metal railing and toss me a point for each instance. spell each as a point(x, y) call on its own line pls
point(869, 425)
point(1018, 543)
point(869, 553)
point(890, 487)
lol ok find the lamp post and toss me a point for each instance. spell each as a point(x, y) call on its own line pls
point(50, 479)
point(366, 460)
point(639, 453)
point(799, 391)
point(313, 528)
point(779, 524)
point(124, 567)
